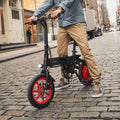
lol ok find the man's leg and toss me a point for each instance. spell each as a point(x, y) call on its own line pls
point(62, 46)
point(78, 33)
point(62, 42)
point(29, 38)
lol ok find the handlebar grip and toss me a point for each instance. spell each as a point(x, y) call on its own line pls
point(34, 22)
point(26, 23)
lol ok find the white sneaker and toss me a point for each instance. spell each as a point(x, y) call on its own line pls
point(98, 90)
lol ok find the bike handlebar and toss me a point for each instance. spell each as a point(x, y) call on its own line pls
point(34, 22)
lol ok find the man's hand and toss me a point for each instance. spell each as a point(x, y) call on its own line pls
point(55, 13)
point(31, 19)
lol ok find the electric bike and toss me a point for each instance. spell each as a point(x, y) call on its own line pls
point(41, 89)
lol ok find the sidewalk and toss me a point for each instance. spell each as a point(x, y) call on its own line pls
point(25, 51)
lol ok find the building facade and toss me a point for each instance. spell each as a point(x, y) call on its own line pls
point(38, 31)
point(118, 15)
point(11, 22)
point(106, 21)
point(97, 5)
point(92, 5)
point(100, 12)
point(29, 8)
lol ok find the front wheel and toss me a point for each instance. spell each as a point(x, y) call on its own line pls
point(84, 75)
point(38, 95)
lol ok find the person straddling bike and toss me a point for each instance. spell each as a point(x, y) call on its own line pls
point(72, 24)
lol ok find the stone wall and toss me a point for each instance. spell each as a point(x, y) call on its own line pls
point(13, 23)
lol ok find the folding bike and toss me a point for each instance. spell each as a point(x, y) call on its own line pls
point(41, 89)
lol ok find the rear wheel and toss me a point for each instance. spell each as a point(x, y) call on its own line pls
point(85, 77)
point(38, 95)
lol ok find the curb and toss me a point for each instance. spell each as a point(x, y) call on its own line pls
point(18, 46)
point(7, 59)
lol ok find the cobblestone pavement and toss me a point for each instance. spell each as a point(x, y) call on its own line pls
point(74, 103)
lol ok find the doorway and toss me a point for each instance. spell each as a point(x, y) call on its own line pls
point(40, 30)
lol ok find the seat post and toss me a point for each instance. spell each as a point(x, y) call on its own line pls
point(74, 48)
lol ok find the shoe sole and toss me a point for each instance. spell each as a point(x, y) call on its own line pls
point(96, 96)
point(65, 86)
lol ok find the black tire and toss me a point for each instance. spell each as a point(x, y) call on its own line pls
point(84, 75)
point(37, 95)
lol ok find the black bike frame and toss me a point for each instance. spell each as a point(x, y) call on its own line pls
point(45, 65)
point(61, 61)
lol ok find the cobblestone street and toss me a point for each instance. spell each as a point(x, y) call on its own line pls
point(73, 103)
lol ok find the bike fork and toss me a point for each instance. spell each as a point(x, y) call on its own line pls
point(45, 70)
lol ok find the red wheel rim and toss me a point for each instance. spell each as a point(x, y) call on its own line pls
point(40, 95)
point(86, 74)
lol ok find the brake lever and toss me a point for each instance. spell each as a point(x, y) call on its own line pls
point(34, 22)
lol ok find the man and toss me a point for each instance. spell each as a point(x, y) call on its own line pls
point(29, 35)
point(72, 24)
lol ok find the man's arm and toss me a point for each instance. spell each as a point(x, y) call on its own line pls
point(44, 7)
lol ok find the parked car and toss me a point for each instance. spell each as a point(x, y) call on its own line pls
point(118, 29)
point(98, 32)
point(112, 29)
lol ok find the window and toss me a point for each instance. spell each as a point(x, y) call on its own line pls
point(2, 21)
point(15, 14)
point(1, 3)
point(40, 32)
point(12, 3)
